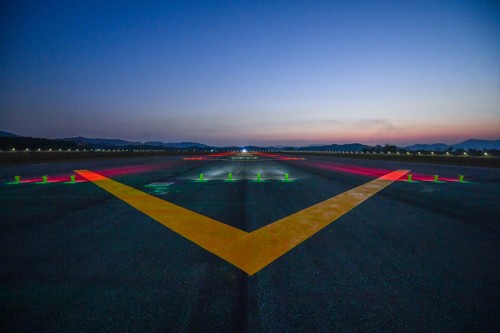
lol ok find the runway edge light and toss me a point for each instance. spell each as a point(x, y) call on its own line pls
point(229, 177)
point(460, 178)
point(17, 180)
point(72, 180)
point(436, 178)
point(286, 179)
point(259, 179)
point(44, 180)
point(201, 178)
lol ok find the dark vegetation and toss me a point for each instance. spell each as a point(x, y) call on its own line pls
point(42, 144)
point(23, 143)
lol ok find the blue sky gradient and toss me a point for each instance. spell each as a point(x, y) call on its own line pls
point(256, 72)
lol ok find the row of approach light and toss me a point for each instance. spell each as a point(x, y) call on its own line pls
point(358, 152)
point(230, 178)
point(280, 151)
point(286, 178)
point(72, 179)
point(50, 149)
point(60, 150)
point(435, 178)
point(44, 180)
point(84, 150)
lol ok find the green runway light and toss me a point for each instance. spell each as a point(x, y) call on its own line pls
point(436, 178)
point(201, 179)
point(410, 178)
point(229, 177)
point(17, 180)
point(72, 180)
point(460, 178)
point(44, 180)
point(259, 178)
point(286, 179)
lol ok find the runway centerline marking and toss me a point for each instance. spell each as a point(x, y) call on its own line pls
point(249, 251)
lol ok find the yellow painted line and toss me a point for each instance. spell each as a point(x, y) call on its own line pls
point(248, 251)
point(208, 233)
point(274, 240)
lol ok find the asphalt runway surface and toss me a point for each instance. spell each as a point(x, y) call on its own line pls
point(418, 256)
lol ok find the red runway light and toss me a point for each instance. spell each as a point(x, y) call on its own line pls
point(193, 158)
point(291, 158)
point(374, 172)
point(354, 169)
point(52, 179)
point(132, 169)
point(430, 178)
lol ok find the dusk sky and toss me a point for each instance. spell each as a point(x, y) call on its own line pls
point(252, 72)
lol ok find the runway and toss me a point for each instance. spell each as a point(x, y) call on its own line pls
point(249, 243)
